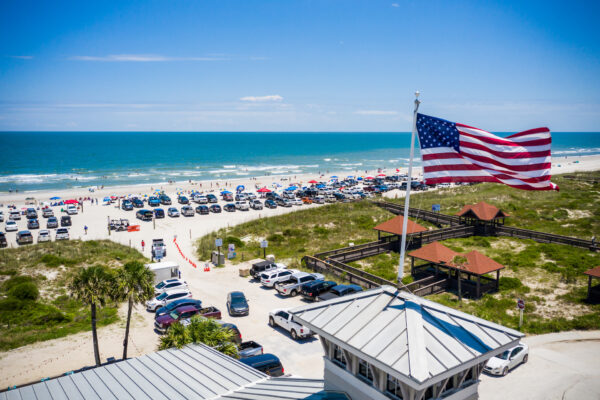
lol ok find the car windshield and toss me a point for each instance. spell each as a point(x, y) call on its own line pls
point(160, 285)
point(162, 296)
point(504, 356)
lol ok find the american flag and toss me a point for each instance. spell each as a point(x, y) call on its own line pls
point(454, 152)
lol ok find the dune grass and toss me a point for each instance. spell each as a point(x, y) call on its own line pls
point(42, 309)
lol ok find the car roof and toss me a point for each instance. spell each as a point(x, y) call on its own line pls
point(237, 294)
point(185, 309)
point(261, 358)
point(179, 301)
point(175, 291)
point(24, 233)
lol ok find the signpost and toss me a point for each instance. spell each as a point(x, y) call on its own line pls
point(436, 208)
point(521, 307)
point(231, 251)
point(218, 243)
point(264, 244)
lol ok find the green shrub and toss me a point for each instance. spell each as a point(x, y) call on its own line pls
point(234, 240)
point(509, 283)
point(275, 238)
point(16, 280)
point(11, 304)
point(319, 230)
point(24, 291)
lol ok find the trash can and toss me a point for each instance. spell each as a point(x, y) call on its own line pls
point(217, 259)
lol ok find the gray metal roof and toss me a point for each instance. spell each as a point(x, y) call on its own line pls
point(194, 372)
point(279, 389)
point(413, 339)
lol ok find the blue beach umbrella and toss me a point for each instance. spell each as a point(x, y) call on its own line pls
point(55, 198)
point(320, 186)
point(240, 188)
point(333, 176)
point(359, 178)
point(292, 188)
point(225, 192)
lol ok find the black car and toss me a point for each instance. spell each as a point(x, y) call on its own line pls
point(215, 208)
point(202, 210)
point(237, 304)
point(183, 200)
point(212, 198)
point(3, 242)
point(237, 335)
point(33, 224)
point(165, 200)
point(144, 215)
point(159, 213)
point(126, 205)
point(65, 220)
point(270, 203)
point(267, 363)
point(311, 290)
point(339, 291)
point(137, 203)
point(229, 207)
point(272, 195)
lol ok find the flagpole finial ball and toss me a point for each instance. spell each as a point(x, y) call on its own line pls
point(417, 93)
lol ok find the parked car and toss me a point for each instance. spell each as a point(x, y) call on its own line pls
point(339, 291)
point(46, 213)
point(24, 237)
point(176, 304)
point(10, 226)
point(187, 211)
point(30, 213)
point(201, 199)
point(264, 266)
point(250, 349)
point(72, 209)
point(144, 215)
point(62, 234)
point(183, 200)
point(229, 207)
point(227, 196)
point(202, 210)
point(285, 320)
point(241, 205)
point(311, 290)
point(3, 242)
point(33, 224)
point(127, 205)
point(166, 298)
point(159, 250)
point(173, 212)
point(159, 213)
point(1, 216)
point(14, 215)
point(266, 363)
point(215, 208)
point(283, 202)
point(270, 278)
point(65, 220)
point(296, 202)
point(44, 236)
point(169, 284)
point(137, 203)
point(307, 200)
point(291, 286)
point(153, 201)
point(256, 204)
point(164, 200)
point(270, 203)
point(509, 359)
point(212, 198)
point(237, 304)
point(163, 322)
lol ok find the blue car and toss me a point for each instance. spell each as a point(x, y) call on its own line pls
point(159, 213)
point(176, 304)
point(153, 201)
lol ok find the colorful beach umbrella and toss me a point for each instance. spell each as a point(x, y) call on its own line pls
point(313, 181)
point(55, 198)
point(71, 201)
point(263, 190)
point(381, 175)
point(240, 188)
point(225, 192)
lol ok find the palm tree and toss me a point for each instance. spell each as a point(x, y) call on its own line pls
point(93, 286)
point(200, 330)
point(136, 284)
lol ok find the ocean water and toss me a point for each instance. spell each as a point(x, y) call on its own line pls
point(53, 160)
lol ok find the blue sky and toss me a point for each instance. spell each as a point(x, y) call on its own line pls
point(297, 65)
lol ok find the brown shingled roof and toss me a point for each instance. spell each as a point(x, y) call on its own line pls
point(394, 226)
point(477, 263)
point(595, 272)
point(482, 211)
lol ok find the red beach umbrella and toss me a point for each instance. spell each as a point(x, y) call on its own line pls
point(313, 181)
point(263, 190)
point(71, 201)
point(381, 175)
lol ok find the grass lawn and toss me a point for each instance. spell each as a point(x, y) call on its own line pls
point(40, 308)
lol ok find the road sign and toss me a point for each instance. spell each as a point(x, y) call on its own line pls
point(521, 304)
point(264, 244)
point(218, 242)
point(231, 247)
point(436, 207)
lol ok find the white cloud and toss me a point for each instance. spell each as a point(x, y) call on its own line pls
point(262, 99)
point(395, 5)
point(143, 58)
point(22, 57)
point(375, 112)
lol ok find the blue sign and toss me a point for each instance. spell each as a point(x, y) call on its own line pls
point(436, 207)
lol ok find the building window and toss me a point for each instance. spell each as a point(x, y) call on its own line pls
point(364, 370)
point(338, 356)
point(392, 388)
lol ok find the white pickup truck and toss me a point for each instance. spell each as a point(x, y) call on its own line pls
point(285, 320)
point(291, 286)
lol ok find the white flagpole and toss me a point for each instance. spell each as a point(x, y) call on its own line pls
point(408, 185)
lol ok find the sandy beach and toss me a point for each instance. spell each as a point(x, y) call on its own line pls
point(50, 358)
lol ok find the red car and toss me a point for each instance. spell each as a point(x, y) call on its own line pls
point(163, 322)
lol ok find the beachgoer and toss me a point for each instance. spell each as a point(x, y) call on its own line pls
point(85, 229)
point(143, 244)
point(594, 241)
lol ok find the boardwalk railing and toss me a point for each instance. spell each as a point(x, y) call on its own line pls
point(383, 241)
point(429, 216)
point(543, 237)
point(343, 271)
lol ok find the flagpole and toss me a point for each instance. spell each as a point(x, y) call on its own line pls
point(408, 185)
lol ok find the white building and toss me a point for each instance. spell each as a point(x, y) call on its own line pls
point(387, 344)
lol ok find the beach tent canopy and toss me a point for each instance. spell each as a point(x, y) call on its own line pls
point(71, 201)
point(333, 177)
point(55, 198)
point(360, 178)
point(369, 177)
point(320, 186)
point(292, 188)
point(381, 175)
point(225, 192)
point(263, 190)
point(240, 188)
point(313, 181)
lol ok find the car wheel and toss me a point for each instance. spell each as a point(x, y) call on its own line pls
point(294, 293)
point(525, 358)
point(294, 335)
point(271, 322)
point(505, 371)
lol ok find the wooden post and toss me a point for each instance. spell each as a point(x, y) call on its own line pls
point(478, 286)
point(459, 288)
point(589, 287)
point(498, 280)
point(412, 266)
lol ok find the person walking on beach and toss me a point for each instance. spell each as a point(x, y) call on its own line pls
point(143, 244)
point(85, 229)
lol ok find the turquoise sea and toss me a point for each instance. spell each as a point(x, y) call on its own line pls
point(46, 160)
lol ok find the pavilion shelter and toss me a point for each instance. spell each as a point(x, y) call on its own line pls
point(593, 291)
point(482, 215)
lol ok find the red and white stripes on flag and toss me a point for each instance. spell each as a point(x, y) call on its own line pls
point(522, 160)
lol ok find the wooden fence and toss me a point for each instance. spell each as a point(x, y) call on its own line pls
point(543, 237)
point(346, 272)
point(429, 216)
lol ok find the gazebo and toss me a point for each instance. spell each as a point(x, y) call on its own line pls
point(482, 215)
point(394, 226)
point(440, 261)
point(593, 291)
